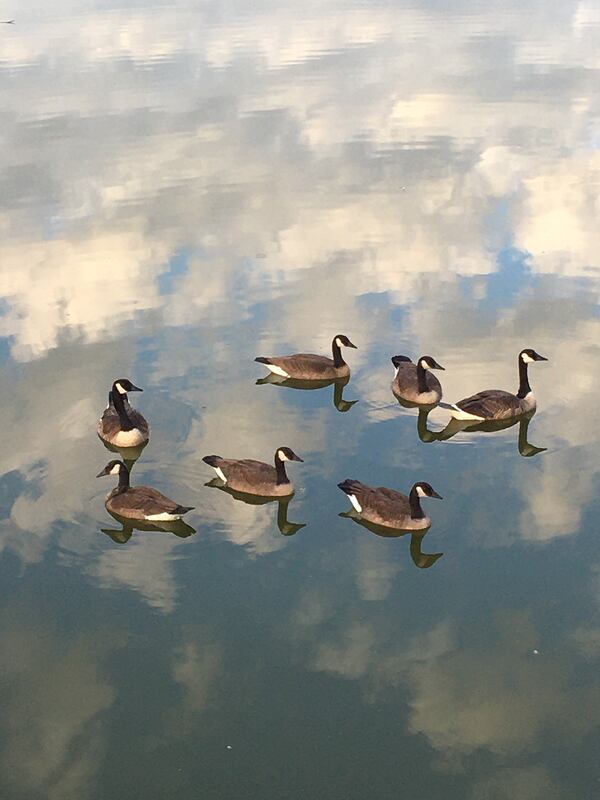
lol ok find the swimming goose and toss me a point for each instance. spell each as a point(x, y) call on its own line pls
point(120, 424)
point(414, 383)
point(307, 366)
point(255, 477)
point(496, 403)
point(139, 502)
point(390, 508)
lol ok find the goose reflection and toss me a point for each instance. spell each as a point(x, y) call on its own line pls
point(129, 455)
point(338, 384)
point(425, 435)
point(286, 528)
point(420, 559)
point(526, 449)
point(177, 527)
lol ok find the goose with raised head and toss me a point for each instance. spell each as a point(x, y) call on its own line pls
point(139, 502)
point(497, 404)
point(310, 367)
point(388, 507)
point(255, 477)
point(414, 383)
point(120, 424)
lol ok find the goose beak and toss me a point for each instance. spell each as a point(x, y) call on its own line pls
point(436, 495)
point(135, 389)
point(538, 357)
point(297, 458)
point(438, 366)
point(349, 344)
point(102, 474)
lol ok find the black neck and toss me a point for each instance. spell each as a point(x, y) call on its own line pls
point(123, 480)
point(524, 387)
point(119, 406)
point(421, 377)
point(280, 468)
point(338, 361)
point(416, 512)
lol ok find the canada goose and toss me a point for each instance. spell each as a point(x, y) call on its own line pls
point(120, 424)
point(139, 502)
point(420, 559)
point(255, 477)
point(339, 402)
point(414, 383)
point(390, 508)
point(307, 366)
point(496, 403)
point(286, 527)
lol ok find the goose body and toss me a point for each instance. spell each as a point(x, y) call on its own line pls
point(255, 477)
point(308, 366)
point(497, 404)
point(414, 383)
point(120, 424)
point(139, 502)
point(389, 508)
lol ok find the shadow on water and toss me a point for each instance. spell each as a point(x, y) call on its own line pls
point(339, 402)
point(129, 454)
point(420, 559)
point(286, 528)
point(526, 449)
point(177, 527)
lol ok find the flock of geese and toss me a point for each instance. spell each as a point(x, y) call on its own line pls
point(124, 429)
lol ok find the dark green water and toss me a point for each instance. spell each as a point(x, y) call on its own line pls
point(187, 185)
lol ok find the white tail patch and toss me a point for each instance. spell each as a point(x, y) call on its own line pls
point(163, 517)
point(220, 474)
point(458, 413)
point(277, 370)
point(355, 503)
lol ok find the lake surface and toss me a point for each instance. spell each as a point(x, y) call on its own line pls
point(187, 185)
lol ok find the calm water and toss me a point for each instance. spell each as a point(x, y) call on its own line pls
point(189, 184)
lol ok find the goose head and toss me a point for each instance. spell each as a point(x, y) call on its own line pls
point(124, 385)
point(343, 341)
point(427, 362)
point(114, 467)
point(286, 454)
point(528, 355)
point(424, 489)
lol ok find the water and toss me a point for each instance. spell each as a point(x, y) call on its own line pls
point(187, 185)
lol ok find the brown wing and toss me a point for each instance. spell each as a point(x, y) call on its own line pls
point(247, 469)
point(142, 501)
point(491, 404)
point(305, 364)
point(393, 500)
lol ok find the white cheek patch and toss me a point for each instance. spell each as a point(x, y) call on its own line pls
point(355, 502)
point(120, 389)
point(420, 491)
point(338, 341)
point(115, 470)
point(424, 364)
point(527, 359)
point(282, 456)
